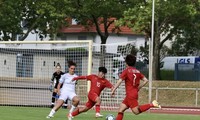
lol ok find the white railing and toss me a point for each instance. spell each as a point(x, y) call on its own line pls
point(169, 88)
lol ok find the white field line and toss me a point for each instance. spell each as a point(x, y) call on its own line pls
point(176, 109)
point(168, 109)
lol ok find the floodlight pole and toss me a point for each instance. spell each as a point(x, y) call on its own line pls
point(151, 40)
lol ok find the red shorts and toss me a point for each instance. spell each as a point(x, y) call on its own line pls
point(130, 102)
point(91, 100)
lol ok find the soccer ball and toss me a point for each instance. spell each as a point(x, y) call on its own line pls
point(110, 117)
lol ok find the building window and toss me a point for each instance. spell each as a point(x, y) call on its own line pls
point(132, 38)
point(19, 37)
point(63, 37)
point(82, 37)
point(54, 63)
point(44, 63)
point(4, 62)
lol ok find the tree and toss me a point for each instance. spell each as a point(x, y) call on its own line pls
point(25, 16)
point(101, 12)
point(10, 19)
point(172, 18)
point(188, 42)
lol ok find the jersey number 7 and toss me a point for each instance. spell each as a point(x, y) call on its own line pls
point(134, 79)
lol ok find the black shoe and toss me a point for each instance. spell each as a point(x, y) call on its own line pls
point(64, 107)
point(52, 106)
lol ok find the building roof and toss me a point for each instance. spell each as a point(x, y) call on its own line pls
point(81, 29)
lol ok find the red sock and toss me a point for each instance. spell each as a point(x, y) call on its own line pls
point(97, 108)
point(120, 116)
point(76, 112)
point(145, 107)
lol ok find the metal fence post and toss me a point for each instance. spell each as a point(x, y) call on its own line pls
point(176, 72)
point(156, 93)
point(196, 101)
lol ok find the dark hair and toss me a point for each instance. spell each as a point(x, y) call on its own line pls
point(130, 60)
point(71, 63)
point(58, 65)
point(103, 69)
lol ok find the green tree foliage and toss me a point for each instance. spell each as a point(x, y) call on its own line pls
point(101, 12)
point(25, 16)
point(173, 18)
point(189, 42)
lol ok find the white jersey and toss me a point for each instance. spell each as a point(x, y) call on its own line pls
point(68, 84)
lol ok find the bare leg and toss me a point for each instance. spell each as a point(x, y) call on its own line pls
point(75, 102)
point(97, 107)
point(121, 110)
point(55, 108)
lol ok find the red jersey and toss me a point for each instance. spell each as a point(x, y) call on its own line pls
point(132, 78)
point(98, 84)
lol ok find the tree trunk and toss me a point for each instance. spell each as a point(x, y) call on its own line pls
point(156, 60)
point(103, 51)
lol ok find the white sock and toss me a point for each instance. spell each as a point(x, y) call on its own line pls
point(52, 112)
point(65, 105)
point(72, 109)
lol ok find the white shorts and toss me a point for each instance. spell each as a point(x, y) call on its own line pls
point(64, 95)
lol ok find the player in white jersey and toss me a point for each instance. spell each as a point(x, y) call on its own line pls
point(67, 91)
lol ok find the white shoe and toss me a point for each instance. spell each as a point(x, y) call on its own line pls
point(156, 104)
point(70, 116)
point(48, 117)
point(98, 115)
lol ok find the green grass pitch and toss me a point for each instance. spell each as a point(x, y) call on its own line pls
point(29, 113)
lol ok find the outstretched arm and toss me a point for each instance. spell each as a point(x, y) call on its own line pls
point(116, 86)
point(80, 78)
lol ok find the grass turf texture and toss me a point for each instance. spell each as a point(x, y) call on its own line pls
point(29, 113)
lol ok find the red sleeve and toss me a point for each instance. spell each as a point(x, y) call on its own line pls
point(108, 84)
point(80, 78)
point(141, 76)
point(123, 76)
point(89, 77)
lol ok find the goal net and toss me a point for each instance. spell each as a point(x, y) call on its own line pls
point(115, 63)
point(27, 68)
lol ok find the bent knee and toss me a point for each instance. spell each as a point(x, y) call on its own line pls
point(98, 100)
point(136, 111)
point(76, 99)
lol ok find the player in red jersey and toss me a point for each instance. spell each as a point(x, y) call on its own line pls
point(132, 78)
point(98, 83)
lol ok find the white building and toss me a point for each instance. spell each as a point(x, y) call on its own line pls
point(78, 32)
point(73, 32)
